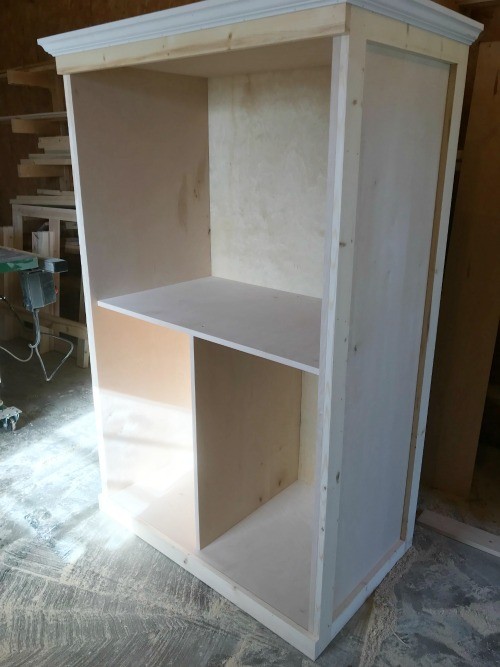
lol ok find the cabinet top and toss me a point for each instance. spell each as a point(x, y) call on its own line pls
point(423, 14)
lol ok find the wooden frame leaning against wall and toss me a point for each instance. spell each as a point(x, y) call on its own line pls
point(292, 167)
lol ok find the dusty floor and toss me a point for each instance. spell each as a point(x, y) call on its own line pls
point(482, 508)
point(76, 590)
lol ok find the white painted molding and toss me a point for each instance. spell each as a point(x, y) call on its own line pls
point(212, 13)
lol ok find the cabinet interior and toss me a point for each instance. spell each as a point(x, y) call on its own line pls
point(231, 173)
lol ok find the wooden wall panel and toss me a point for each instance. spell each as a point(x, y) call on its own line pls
point(268, 194)
point(470, 304)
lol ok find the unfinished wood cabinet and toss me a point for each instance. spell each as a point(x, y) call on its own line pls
point(263, 191)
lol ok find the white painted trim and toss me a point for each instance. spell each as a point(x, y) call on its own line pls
point(213, 13)
point(348, 62)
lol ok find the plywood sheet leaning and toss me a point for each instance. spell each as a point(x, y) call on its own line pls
point(461, 532)
point(470, 305)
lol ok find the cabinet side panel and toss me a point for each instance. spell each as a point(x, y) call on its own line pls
point(139, 144)
point(142, 141)
point(268, 163)
point(248, 428)
point(403, 117)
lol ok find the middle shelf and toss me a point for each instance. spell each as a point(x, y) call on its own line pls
point(272, 324)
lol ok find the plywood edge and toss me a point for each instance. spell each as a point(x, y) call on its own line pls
point(225, 342)
point(286, 28)
point(461, 532)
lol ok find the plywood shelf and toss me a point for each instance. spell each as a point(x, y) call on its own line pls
point(272, 324)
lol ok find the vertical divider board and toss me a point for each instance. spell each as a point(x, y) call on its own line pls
point(248, 434)
point(156, 180)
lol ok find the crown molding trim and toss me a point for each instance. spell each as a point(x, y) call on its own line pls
point(213, 13)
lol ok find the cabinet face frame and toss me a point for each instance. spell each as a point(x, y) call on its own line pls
point(351, 30)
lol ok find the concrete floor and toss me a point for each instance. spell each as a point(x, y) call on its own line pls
point(76, 590)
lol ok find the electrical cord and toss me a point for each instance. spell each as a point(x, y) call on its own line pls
point(30, 345)
point(34, 347)
point(48, 378)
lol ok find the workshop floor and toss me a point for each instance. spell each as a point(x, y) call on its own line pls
point(76, 590)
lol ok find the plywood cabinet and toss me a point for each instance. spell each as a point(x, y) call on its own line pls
point(263, 193)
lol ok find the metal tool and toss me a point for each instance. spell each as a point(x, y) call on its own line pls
point(38, 288)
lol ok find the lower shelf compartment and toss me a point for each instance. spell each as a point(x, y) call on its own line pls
point(267, 554)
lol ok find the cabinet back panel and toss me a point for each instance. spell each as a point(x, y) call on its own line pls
point(268, 163)
point(403, 114)
point(144, 402)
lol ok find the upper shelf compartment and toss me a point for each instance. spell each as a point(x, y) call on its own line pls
point(272, 324)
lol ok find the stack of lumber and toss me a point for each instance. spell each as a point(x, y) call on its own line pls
point(44, 197)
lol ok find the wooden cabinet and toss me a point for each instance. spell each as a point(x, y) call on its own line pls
point(263, 192)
